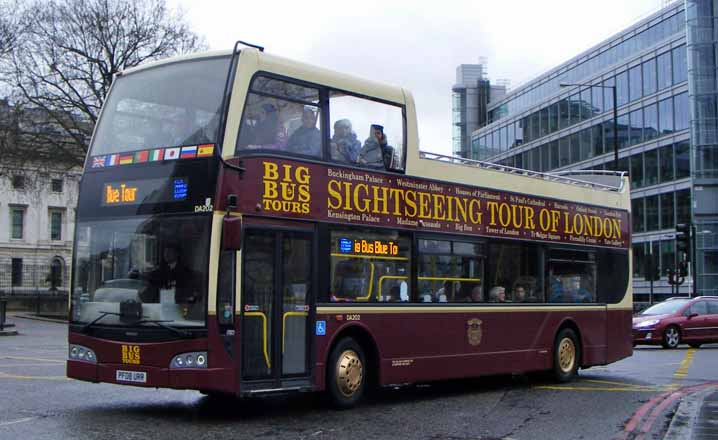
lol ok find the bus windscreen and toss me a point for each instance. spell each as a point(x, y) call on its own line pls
point(164, 106)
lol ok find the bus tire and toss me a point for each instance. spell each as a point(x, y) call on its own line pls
point(346, 374)
point(566, 355)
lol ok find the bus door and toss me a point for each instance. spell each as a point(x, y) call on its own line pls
point(278, 289)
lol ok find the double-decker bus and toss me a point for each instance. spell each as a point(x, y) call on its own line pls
point(249, 224)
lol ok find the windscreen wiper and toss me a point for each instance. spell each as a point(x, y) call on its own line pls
point(160, 323)
point(91, 323)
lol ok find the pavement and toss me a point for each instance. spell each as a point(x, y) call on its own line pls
point(696, 417)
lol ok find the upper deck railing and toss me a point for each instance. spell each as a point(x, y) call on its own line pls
point(595, 179)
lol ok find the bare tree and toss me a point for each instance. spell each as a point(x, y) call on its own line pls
point(61, 66)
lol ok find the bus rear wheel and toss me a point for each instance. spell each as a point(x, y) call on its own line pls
point(566, 355)
point(346, 376)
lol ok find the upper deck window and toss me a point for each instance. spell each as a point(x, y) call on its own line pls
point(288, 118)
point(366, 133)
point(165, 106)
point(281, 116)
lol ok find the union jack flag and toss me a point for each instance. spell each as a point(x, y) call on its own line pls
point(98, 162)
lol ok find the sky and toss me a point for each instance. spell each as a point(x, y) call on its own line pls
point(418, 44)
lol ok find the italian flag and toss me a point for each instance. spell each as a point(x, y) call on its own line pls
point(157, 154)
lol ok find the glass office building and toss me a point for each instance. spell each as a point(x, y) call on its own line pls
point(663, 69)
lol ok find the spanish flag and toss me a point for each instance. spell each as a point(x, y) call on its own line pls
point(205, 150)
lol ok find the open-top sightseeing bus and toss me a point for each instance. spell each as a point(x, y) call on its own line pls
point(249, 224)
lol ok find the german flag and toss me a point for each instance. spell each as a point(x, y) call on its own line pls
point(126, 159)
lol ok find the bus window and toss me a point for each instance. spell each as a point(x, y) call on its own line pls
point(366, 133)
point(572, 276)
point(517, 269)
point(282, 116)
point(450, 271)
point(369, 266)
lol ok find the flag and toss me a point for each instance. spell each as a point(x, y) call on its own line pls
point(126, 159)
point(172, 153)
point(157, 155)
point(205, 150)
point(112, 160)
point(98, 162)
point(141, 156)
point(188, 152)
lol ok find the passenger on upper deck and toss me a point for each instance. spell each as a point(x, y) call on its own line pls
point(344, 144)
point(497, 294)
point(376, 152)
point(306, 139)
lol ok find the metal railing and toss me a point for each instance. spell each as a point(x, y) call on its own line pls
point(33, 279)
point(560, 176)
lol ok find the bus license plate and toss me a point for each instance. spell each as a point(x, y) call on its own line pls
point(131, 376)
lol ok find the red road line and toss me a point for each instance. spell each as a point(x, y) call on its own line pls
point(660, 403)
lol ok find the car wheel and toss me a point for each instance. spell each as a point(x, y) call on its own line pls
point(346, 378)
point(566, 355)
point(671, 337)
point(695, 344)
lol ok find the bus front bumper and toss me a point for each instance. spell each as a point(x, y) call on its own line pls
point(204, 379)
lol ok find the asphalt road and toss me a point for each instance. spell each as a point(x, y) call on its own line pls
point(633, 398)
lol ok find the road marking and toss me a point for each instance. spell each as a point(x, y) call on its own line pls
point(25, 358)
point(12, 422)
point(570, 388)
point(32, 365)
point(610, 382)
point(18, 376)
point(682, 371)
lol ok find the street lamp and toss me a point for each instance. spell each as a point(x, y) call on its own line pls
point(615, 116)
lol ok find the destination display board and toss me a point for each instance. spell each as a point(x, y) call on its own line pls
point(283, 188)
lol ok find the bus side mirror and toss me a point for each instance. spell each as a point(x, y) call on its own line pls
point(232, 233)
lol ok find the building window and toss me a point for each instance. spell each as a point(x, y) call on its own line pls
point(650, 122)
point(639, 251)
point(57, 185)
point(680, 65)
point(650, 162)
point(665, 160)
point(637, 206)
point(16, 272)
point(667, 210)
point(635, 85)
point(622, 88)
point(649, 77)
point(668, 255)
point(17, 222)
point(55, 225)
point(652, 213)
point(636, 126)
point(683, 160)
point(683, 206)
point(681, 111)
point(665, 72)
point(665, 116)
point(18, 181)
point(637, 170)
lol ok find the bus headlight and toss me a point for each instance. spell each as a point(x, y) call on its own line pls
point(195, 359)
point(80, 353)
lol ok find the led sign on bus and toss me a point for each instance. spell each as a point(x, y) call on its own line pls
point(144, 191)
point(368, 247)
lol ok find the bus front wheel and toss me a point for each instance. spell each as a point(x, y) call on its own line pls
point(566, 355)
point(346, 378)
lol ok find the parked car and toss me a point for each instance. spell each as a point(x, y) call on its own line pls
point(678, 320)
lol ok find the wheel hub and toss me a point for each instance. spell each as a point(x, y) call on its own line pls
point(566, 355)
point(350, 372)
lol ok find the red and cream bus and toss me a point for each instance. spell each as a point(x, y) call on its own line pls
point(249, 224)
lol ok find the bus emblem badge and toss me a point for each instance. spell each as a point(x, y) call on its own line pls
point(473, 331)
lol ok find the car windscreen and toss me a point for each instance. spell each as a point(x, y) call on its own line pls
point(169, 105)
point(665, 308)
point(158, 262)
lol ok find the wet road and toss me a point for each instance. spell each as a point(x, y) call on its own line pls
point(37, 401)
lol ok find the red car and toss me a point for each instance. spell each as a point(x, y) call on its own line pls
point(678, 320)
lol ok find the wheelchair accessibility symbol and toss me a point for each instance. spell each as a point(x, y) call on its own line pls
point(321, 328)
